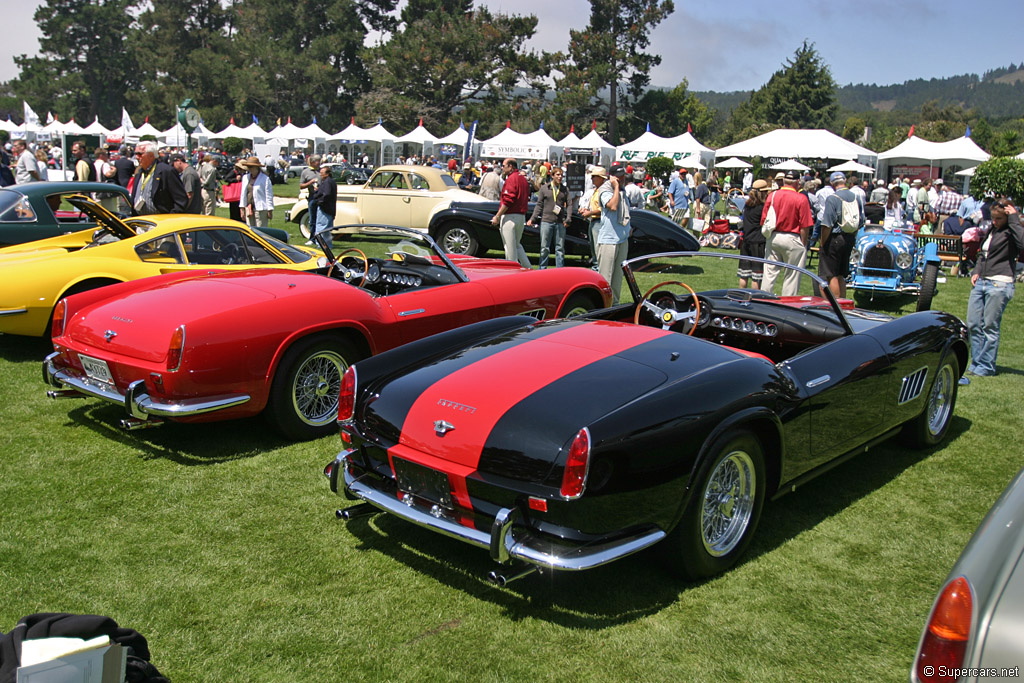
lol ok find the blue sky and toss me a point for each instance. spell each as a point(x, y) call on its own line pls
point(738, 45)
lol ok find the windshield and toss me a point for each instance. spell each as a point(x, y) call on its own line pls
point(391, 243)
point(14, 208)
point(294, 255)
point(718, 276)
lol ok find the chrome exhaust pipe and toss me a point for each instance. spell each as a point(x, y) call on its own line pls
point(65, 393)
point(361, 510)
point(132, 424)
point(502, 580)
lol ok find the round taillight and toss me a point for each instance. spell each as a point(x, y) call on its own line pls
point(60, 312)
point(945, 638)
point(347, 395)
point(574, 478)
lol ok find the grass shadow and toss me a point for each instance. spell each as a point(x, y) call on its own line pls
point(206, 443)
point(643, 584)
point(18, 349)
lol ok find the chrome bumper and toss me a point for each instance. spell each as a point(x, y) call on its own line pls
point(137, 403)
point(506, 542)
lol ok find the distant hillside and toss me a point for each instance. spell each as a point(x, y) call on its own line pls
point(999, 94)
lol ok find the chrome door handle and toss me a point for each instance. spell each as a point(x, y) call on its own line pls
point(820, 380)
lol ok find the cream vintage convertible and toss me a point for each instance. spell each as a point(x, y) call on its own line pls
point(407, 196)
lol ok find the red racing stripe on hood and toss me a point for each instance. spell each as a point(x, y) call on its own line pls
point(474, 398)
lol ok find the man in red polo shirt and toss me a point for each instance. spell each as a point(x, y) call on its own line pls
point(788, 244)
point(511, 216)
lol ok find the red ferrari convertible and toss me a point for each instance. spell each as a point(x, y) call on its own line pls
point(215, 346)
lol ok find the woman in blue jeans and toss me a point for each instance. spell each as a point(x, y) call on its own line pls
point(993, 285)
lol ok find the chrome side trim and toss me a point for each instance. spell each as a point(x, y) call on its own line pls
point(504, 540)
point(13, 311)
point(137, 403)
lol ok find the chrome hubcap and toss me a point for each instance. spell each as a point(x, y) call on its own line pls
point(316, 386)
point(728, 503)
point(939, 401)
point(456, 241)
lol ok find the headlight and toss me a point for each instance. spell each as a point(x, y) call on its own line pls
point(904, 260)
point(855, 257)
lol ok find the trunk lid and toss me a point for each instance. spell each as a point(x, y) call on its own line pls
point(140, 324)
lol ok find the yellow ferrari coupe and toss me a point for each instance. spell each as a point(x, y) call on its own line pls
point(36, 275)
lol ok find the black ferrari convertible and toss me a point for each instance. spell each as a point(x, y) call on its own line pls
point(567, 444)
point(465, 228)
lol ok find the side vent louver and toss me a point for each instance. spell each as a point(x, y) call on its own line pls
point(912, 385)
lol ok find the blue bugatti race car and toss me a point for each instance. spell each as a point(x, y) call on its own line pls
point(890, 262)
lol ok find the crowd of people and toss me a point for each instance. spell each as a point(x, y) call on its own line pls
point(782, 218)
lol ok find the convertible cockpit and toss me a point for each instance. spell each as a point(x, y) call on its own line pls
point(688, 293)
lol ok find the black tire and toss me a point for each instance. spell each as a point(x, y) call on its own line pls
point(577, 304)
point(724, 508)
point(304, 225)
point(930, 427)
point(928, 286)
point(458, 238)
point(303, 401)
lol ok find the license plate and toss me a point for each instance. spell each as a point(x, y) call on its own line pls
point(96, 369)
point(423, 482)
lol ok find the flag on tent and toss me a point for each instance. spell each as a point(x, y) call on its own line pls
point(688, 128)
point(469, 142)
point(126, 121)
point(968, 133)
point(911, 133)
point(49, 118)
point(255, 120)
point(31, 118)
point(279, 121)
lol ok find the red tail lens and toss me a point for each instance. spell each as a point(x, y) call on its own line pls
point(949, 627)
point(60, 312)
point(347, 395)
point(176, 348)
point(574, 479)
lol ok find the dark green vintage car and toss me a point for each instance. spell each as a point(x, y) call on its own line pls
point(34, 211)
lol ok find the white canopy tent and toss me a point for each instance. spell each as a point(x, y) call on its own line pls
point(419, 136)
point(96, 128)
point(8, 125)
point(852, 167)
point(790, 165)
point(230, 131)
point(354, 141)
point(683, 149)
point(254, 132)
point(605, 150)
point(786, 143)
point(146, 128)
point(951, 155)
point(509, 143)
point(733, 162)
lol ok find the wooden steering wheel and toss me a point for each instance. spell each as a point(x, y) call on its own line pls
point(669, 316)
point(348, 275)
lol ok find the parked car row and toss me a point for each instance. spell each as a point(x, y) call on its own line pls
point(680, 412)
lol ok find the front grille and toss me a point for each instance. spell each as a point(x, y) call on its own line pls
point(877, 261)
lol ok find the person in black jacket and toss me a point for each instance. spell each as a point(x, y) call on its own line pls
point(326, 198)
point(993, 279)
point(552, 208)
point(157, 187)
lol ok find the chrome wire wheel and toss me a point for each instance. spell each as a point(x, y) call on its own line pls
point(456, 240)
point(727, 504)
point(315, 387)
point(940, 401)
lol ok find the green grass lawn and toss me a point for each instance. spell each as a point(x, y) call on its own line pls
point(219, 544)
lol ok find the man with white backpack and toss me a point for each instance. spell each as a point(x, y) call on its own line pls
point(842, 217)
